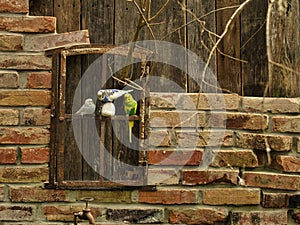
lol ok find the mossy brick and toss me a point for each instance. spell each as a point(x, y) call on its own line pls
point(23, 174)
point(25, 97)
point(11, 42)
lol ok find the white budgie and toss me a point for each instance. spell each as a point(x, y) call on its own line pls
point(87, 108)
point(109, 95)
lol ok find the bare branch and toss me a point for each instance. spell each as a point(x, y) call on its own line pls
point(159, 11)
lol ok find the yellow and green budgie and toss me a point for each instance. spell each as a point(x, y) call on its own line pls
point(130, 106)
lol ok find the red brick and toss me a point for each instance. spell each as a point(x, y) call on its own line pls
point(9, 79)
point(257, 141)
point(174, 157)
point(23, 174)
point(276, 217)
point(162, 176)
point(47, 41)
point(35, 155)
point(25, 61)
point(168, 197)
point(39, 80)
point(25, 98)
point(166, 118)
point(159, 138)
point(271, 180)
point(9, 117)
point(24, 135)
point(8, 155)
point(235, 158)
point(11, 42)
point(65, 213)
point(17, 212)
point(197, 215)
point(36, 117)
point(36, 194)
point(14, 6)
point(204, 138)
point(231, 196)
point(275, 199)
point(28, 24)
point(288, 163)
point(289, 124)
point(243, 121)
point(210, 176)
point(209, 101)
point(272, 105)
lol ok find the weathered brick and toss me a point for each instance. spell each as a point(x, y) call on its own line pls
point(34, 155)
point(204, 138)
point(162, 176)
point(17, 212)
point(2, 193)
point(276, 217)
point(166, 118)
point(24, 135)
point(296, 216)
point(288, 163)
point(9, 117)
point(39, 80)
point(8, 155)
point(275, 199)
point(290, 124)
point(28, 24)
point(243, 121)
point(168, 197)
point(35, 194)
point(210, 176)
point(46, 41)
point(197, 215)
point(163, 100)
point(271, 180)
point(272, 105)
point(257, 141)
point(66, 212)
point(11, 42)
point(25, 98)
point(35, 117)
point(174, 157)
point(14, 6)
point(231, 196)
point(238, 157)
point(208, 101)
point(106, 196)
point(137, 216)
point(23, 174)
point(25, 61)
point(9, 79)
point(159, 138)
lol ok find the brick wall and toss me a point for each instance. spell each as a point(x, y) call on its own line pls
point(242, 183)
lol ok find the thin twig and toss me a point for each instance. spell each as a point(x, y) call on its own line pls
point(229, 22)
point(159, 11)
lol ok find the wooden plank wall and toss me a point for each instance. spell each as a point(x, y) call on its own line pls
point(114, 22)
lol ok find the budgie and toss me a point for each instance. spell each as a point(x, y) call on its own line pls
point(87, 108)
point(130, 106)
point(109, 95)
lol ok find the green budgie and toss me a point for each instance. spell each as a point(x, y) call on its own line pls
point(130, 106)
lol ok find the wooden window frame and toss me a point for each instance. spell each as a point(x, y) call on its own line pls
point(58, 116)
